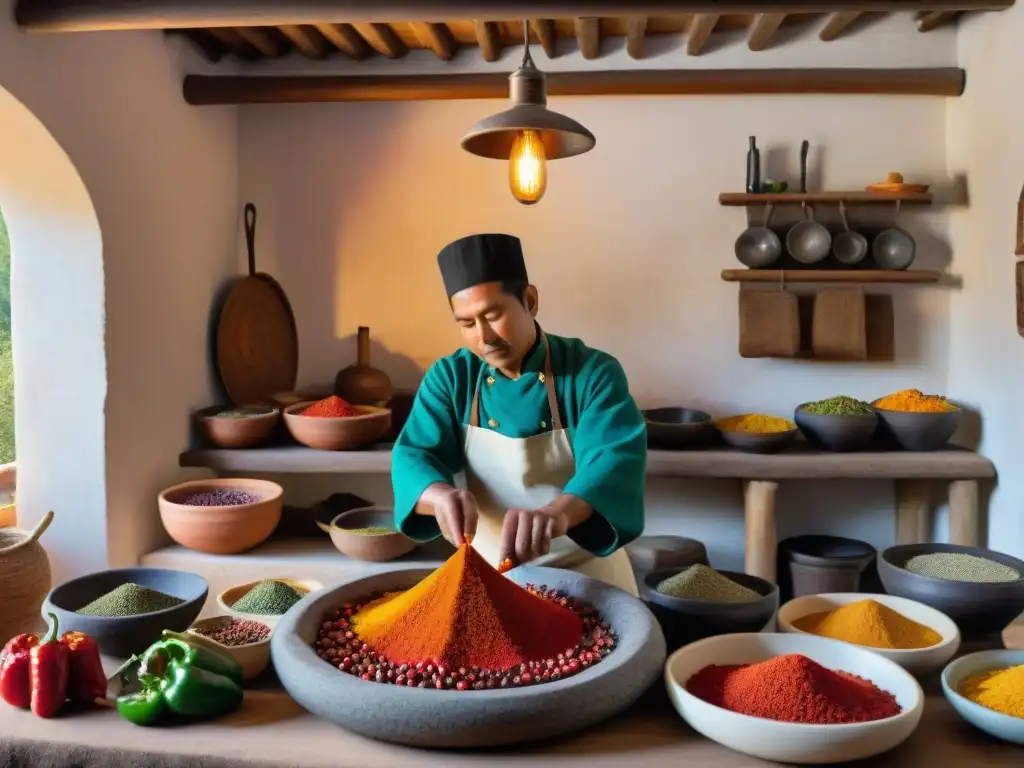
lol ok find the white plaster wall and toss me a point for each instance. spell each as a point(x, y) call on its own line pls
point(626, 247)
point(162, 178)
point(985, 142)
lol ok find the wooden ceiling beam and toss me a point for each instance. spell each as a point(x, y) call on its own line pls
point(488, 37)
point(256, 89)
point(213, 49)
point(345, 38)
point(90, 15)
point(934, 19)
point(837, 24)
point(588, 37)
point(235, 43)
point(382, 39)
point(764, 29)
point(263, 39)
point(544, 29)
point(701, 27)
point(307, 40)
point(636, 31)
point(436, 37)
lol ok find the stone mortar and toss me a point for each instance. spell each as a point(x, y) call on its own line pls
point(464, 719)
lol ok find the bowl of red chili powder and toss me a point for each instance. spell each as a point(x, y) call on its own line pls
point(465, 657)
point(333, 424)
point(794, 698)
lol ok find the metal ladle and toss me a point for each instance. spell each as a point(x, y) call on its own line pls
point(758, 247)
point(849, 247)
point(808, 241)
point(894, 248)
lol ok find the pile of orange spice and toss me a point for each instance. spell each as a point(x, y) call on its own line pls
point(332, 407)
point(914, 400)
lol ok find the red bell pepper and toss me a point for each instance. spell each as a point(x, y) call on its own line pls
point(49, 672)
point(15, 661)
point(87, 681)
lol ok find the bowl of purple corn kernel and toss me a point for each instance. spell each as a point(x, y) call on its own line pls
point(222, 516)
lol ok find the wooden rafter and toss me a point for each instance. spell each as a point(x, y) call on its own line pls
point(544, 29)
point(837, 24)
point(206, 89)
point(234, 42)
point(588, 36)
point(436, 37)
point(382, 39)
point(764, 29)
point(79, 15)
point(345, 38)
point(263, 40)
point(700, 30)
point(636, 31)
point(931, 20)
point(309, 42)
point(488, 37)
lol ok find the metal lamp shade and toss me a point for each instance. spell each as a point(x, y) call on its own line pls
point(562, 136)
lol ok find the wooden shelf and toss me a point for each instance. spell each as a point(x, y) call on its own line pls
point(796, 198)
point(830, 276)
point(801, 462)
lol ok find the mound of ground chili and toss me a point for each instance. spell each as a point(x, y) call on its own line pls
point(332, 407)
point(793, 689)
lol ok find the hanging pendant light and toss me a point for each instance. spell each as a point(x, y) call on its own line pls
point(528, 134)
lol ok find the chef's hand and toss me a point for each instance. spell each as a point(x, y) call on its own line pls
point(527, 533)
point(455, 510)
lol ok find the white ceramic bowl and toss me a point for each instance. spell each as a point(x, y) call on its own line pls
point(230, 596)
point(794, 742)
point(994, 723)
point(254, 657)
point(917, 662)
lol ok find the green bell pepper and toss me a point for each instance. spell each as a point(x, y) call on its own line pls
point(176, 677)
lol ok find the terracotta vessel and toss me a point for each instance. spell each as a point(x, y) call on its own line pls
point(221, 530)
point(362, 384)
point(342, 433)
point(24, 579)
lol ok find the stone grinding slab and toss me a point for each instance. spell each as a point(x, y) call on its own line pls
point(465, 719)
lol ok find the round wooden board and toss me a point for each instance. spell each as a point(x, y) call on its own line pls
point(257, 344)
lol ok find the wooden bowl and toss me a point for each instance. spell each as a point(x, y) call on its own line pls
point(345, 433)
point(225, 530)
point(231, 595)
point(236, 432)
point(254, 657)
point(375, 548)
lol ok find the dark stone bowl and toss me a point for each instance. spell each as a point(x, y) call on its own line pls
point(123, 636)
point(920, 431)
point(684, 620)
point(654, 553)
point(980, 610)
point(463, 719)
point(836, 433)
point(814, 564)
point(760, 442)
point(675, 428)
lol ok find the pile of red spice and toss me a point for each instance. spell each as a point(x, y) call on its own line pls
point(332, 407)
point(793, 689)
point(465, 627)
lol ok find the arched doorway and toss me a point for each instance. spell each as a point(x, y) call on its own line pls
point(57, 330)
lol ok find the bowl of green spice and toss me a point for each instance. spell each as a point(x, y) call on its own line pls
point(265, 600)
point(369, 534)
point(839, 423)
point(227, 426)
point(125, 610)
point(980, 589)
point(699, 601)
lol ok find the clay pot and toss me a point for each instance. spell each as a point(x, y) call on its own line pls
point(362, 384)
point(24, 579)
point(221, 530)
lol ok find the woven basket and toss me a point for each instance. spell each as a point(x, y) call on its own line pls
point(24, 579)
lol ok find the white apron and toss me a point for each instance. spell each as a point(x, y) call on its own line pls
point(528, 473)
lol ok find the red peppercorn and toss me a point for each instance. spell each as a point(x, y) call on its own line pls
point(526, 678)
point(462, 685)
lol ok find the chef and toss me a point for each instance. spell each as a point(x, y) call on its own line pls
point(551, 444)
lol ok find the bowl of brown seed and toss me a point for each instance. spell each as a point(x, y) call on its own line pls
point(245, 640)
point(236, 427)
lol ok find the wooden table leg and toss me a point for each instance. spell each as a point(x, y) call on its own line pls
point(912, 512)
point(964, 525)
point(762, 541)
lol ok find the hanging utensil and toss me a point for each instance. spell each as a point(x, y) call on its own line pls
point(804, 149)
point(849, 247)
point(808, 241)
point(257, 343)
point(894, 248)
point(757, 247)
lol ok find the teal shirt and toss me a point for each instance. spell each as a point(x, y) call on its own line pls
point(607, 431)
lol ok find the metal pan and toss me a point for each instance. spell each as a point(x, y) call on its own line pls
point(808, 241)
point(849, 247)
point(758, 247)
point(257, 346)
point(894, 248)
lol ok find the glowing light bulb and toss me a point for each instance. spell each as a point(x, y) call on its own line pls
point(527, 169)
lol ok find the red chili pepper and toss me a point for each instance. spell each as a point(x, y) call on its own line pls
point(506, 565)
point(49, 673)
point(15, 661)
point(87, 680)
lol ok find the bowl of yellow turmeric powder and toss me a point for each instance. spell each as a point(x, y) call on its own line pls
point(987, 690)
point(757, 432)
point(916, 421)
point(916, 636)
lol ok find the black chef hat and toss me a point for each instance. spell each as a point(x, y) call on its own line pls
point(480, 259)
